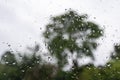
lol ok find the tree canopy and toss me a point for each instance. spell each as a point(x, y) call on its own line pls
point(73, 32)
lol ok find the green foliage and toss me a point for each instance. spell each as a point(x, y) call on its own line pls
point(30, 68)
point(9, 69)
point(9, 59)
point(110, 72)
point(12, 69)
point(9, 73)
point(28, 62)
point(116, 53)
point(41, 72)
point(73, 32)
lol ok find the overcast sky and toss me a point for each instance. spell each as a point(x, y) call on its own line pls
point(22, 21)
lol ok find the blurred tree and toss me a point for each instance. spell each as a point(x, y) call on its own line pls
point(9, 59)
point(72, 32)
point(12, 69)
point(9, 73)
point(9, 67)
point(110, 71)
point(29, 61)
point(116, 54)
point(41, 72)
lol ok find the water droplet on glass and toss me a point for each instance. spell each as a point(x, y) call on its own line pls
point(109, 65)
point(23, 70)
point(6, 62)
point(14, 63)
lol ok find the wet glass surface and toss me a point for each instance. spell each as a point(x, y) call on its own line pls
point(59, 40)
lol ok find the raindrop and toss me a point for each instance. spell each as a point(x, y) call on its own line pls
point(5, 56)
point(4, 74)
point(48, 58)
point(6, 62)
point(38, 61)
point(109, 65)
point(117, 58)
point(87, 50)
point(89, 68)
point(82, 24)
point(47, 32)
point(94, 17)
point(93, 31)
point(107, 57)
point(118, 72)
point(69, 57)
point(63, 19)
point(60, 47)
point(23, 70)
point(40, 28)
point(30, 67)
point(20, 46)
point(101, 32)
point(84, 49)
point(99, 74)
point(9, 45)
point(14, 63)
